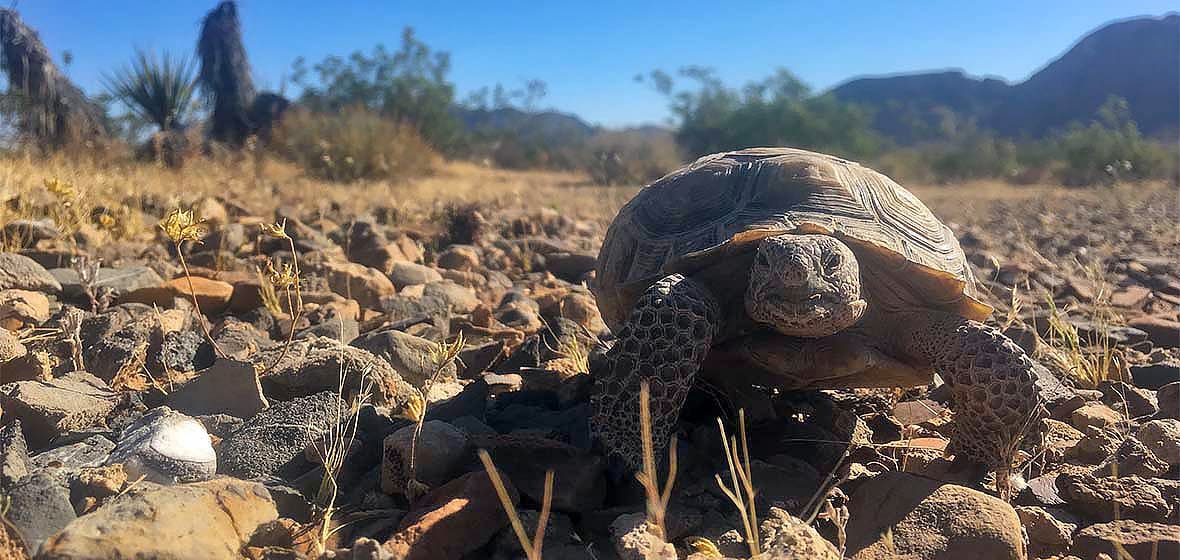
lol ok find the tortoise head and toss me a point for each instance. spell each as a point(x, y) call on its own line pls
point(805, 285)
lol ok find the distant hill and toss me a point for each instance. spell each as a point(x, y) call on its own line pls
point(1136, 59)
point(538, 127)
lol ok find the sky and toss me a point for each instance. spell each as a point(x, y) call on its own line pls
point(588, 52)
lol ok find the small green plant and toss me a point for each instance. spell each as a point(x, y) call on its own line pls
point(532, 547)
point(158, 89)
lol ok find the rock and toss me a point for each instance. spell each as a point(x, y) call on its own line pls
point(461, 298)
point(570, 266)
point(22, 273)
point(1093, 417)
point(115, 344)
point(227, 387)
point(1040, 491)
point(212, 295)
point(14, 454)
point(118, 280)
point(26, 233)
point(1154, 376)
point(273, 441)
point(404, 274)
point(459, 257)
point(39, 506)
point(48, 409)
point(1133, 458)
point(440, 449)
point(634, 539)
point(166, 447)
point(315, 364)
point(205, 520)
point(1105, 499)
point(90, 452)
point(786, 537)
point(1130, 297)
point(1058, 438)
point(1128, 539)
point(11, 348)
point(1096, 447)
point(580, 477)
point(1024, 336)
point(1169, 400)
point(581, 309)
point(1162, 437)
point(181, 351)
point(356, 281)
point(90, 486)
point(928, 519)
point(22, 308)
point(558, 530)
point(1050, 531)
point(409, 355)
point(452, 520)
point(1161, 331)
point(1135, 402)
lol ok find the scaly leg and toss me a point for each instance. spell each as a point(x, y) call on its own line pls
point(993, 383)
point(664, 342)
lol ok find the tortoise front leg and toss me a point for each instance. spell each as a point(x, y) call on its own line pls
point(993, 383)
point(667, 336)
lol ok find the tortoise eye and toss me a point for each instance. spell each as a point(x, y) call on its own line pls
point(832, 261)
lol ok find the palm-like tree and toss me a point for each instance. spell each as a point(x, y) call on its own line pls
point(158, 89)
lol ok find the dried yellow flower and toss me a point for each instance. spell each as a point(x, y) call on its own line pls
point(60, 189)
point(182, 225)
point(415, 408)
point(277, 230)
point(106, 221)
point(282, 277)
point(704, 546)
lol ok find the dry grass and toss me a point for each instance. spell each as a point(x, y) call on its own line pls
point(741, 491)
point(657, 498)
point(532, 547)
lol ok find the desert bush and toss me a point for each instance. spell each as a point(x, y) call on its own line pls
point(1111, 149)
point(408, 86)
point(354, 143)
point(777, 111)
point(633, 156)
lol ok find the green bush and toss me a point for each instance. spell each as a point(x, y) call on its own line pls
point(353, 144)
point(408, 86)
point(777, 111)
point(1111, 150)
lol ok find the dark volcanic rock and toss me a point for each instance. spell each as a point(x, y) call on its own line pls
point(273, 441)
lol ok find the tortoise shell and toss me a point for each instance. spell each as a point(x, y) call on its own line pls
point(707, 213)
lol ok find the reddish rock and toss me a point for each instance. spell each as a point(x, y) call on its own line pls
point(452, 520)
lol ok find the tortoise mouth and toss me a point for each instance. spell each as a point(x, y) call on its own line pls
point(810, 315)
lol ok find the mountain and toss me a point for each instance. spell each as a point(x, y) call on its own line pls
point(1136, 59)
point(531, 127)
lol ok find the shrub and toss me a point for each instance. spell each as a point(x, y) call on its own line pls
point(1110, 150)
point(353, 144)
point(633, 156)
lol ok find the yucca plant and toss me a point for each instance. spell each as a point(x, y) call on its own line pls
point(159, 89)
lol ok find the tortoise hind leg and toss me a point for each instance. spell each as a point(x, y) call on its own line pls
point(993, 383)
point(664, 342)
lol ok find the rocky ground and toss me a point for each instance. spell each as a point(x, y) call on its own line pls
point(130, 432)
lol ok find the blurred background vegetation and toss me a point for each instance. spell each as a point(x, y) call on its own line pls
point(393, 113)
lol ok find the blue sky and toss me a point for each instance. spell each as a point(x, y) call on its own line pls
point(588, 52)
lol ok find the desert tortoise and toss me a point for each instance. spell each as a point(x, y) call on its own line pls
point(797, 270)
